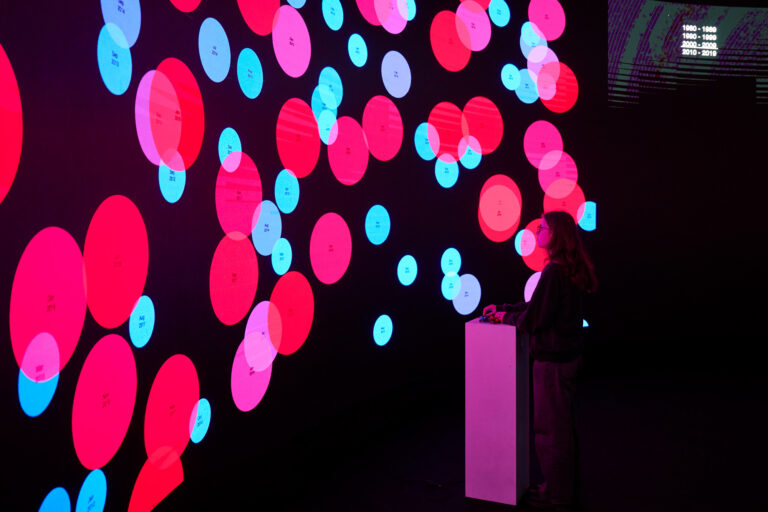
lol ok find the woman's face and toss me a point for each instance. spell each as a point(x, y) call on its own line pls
point(544, 235)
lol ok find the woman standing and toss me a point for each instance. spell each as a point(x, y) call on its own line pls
point(553, 319)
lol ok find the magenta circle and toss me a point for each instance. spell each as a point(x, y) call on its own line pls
point(290, 40)
point(478, 24)
point(540, 138)
point(548, 16)
point(248, 385)
point(330, 248)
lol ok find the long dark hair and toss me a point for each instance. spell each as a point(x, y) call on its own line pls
point(565, 248)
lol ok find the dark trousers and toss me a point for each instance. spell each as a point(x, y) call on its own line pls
point(554, 427)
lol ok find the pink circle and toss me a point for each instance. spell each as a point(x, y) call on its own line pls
point(142, 114)
point(263, 335)
point(566, 87)
point(567, 196)
point(390, 16)
point(116, 258)
point(449, 122)
point(499, 208)
point(368, 10)
point(48, 296)
point(298, 138)
point(549, 16)
point(248, 384)
point(483, 121)
point(11, 125)
point(538, 257)
point(383, 128)
point(233, 280)
point(259, 15)
point(348, 154)
point(330, 248)
point(290, 40)
point(186, 5)
point(172, 398)
point(104, 400)
point(293, 298)
point(540, 138)
point(238, 194)
point(477, 23)
point(558, 165)
point(449, 38)
point(41, 359)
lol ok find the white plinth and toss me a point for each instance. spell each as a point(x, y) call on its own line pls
point(496, 412)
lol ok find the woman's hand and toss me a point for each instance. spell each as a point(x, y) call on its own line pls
point(489, 310)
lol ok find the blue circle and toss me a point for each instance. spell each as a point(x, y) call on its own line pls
point(114, 59)
point(56, 501)
point(325, 123)
point(468, 298)
point(510, 77)
point(396, 74)
point(527, 92)
point(229, 142)
point(450, 261)
point(382, 330)
point(268, 228)
point(450, 285)
point(333, 91)
point(421, 141)
point(588, 221)
point(202, 421)
point(282, 256)
point(333, 14)
point(213, 45)
point(126, 14)
point(447, 173)
point(142, 322)
point(529, 39)
point(34, 397)
point(250, 75)
point(407, 270)
point(171, 183)
point(286, 191)
point(318, 101)
point(297, 4)
point(358, 50)
point(471, 158)
point(377, 224)
point(498, 11)
point(93, 493)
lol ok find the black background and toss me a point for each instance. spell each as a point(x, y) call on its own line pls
point(679, 183)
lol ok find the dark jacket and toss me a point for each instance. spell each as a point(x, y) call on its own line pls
point(553, 318)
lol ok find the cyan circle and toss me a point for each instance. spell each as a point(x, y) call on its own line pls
point(268, 228)
point(202, 421)
point(358, 50)
point(450, 286)
point(34, 397)
point(447, 173)
point(450, 261)
point(142, 322)
point(377, 224)
point(333, 14)
point(382, 330)
point(498, 11)
point(510, 77)
point(407, 270)
point(332, 82)
point(318, 101)
point(250, 75)
point(529, 39)
point(527, 92)
point(56, 501)
point(229, 142)
point(471, 158)
point(93, 493)
point(286, 191)
point(282, 256)
point(171, 183)
point(325, 123)
point(114, 59)
point(421, 141)
point(588, 221)
point(297, 4)
point(213, 46)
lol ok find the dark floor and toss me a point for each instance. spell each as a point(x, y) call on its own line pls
point(664, 442)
